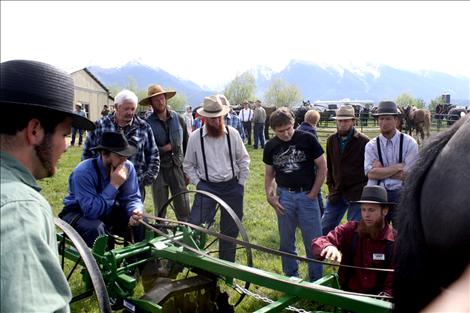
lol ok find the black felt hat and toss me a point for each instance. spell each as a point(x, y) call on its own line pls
point(115, 142)
point(387, 108)
point(36, 84)
point(374, 194)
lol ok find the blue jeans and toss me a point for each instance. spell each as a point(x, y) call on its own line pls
point(302, 212)
point(334, 214)
point(80, 136)
point(393, 196)
point(203, 211)
point(258, 135)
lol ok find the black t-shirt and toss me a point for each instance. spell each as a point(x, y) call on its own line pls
point(293, 160)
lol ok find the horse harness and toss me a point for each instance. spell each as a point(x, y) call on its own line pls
point(204, 153)
point(400, 156)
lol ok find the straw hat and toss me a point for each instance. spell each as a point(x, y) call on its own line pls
point(27, 83)
point(345, 112)
point(155, 90)
point(213, 107)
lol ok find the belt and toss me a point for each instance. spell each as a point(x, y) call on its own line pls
point(297, 189)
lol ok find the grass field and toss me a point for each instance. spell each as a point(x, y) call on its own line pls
point(259, 218)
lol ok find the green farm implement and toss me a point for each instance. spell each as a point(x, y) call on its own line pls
point(190, 276)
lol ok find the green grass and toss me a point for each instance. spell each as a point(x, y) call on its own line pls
point(259, 218)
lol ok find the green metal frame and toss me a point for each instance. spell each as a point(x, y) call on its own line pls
point(115, 266)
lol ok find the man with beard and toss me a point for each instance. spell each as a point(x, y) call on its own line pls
point(231, 118)
point(137, 132)
point(104, 192)
point(389, 156)
point(37, 100)
point(294, 161)
point(171, 136)
point(367, 243)
point(345, 176)
point(217, 161)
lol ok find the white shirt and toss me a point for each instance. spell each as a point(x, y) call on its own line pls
point(217, 157)
point(246, 115)
point(390, 149)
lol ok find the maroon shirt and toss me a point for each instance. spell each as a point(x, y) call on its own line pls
point(369, 253)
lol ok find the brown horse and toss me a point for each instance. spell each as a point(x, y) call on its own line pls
point(418, 119)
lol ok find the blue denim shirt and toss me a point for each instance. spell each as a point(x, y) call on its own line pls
point(94, 203)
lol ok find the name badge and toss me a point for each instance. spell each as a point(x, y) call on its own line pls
point(378, 257)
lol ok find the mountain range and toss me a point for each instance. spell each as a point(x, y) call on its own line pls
point(315, 82)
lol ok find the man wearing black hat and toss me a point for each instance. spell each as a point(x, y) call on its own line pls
point(389, 157)
point(368, 243)
point(37, 100)
point(104, 192)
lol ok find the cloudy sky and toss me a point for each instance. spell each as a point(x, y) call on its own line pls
point(211, 42)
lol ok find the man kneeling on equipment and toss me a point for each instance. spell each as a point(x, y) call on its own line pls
point(104, 193)
point(368, 243)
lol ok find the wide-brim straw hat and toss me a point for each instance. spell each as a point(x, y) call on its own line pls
point(345, 112)
point(155, 90)
point(26, 83)
point(387, 108)
point(374, 194)
point(212, 107)
point(115, 142)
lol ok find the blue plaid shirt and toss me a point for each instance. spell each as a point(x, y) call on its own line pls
point(147, 159)
point(234, 121)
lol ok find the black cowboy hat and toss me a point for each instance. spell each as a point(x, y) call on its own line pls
point(36, 84)
point(374, 194)
point(117, 143)
point(387, 108)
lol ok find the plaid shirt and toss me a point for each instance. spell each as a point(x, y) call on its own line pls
point(147, 159)
point(234, 121)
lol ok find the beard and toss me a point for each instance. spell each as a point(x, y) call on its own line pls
point(43, 152)
point(373, 231)
point(215, 131)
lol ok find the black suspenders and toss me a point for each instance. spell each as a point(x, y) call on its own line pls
point(204, 153)
point(379, 151)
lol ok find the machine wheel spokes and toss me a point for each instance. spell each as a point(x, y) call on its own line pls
point(211, 246)
point(78, 264)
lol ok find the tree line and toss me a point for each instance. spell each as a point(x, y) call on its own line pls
point(279, 93)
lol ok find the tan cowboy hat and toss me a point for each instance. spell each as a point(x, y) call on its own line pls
point(345, 112)
point(155, 90)
point(212, 107)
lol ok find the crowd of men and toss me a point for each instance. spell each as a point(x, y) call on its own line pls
point(165, 151)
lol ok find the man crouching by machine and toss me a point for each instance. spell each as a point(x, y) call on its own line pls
point(104, 193)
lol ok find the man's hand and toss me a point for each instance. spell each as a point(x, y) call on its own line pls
point(312, 195)
point(376, 164)
point(167, 147)
point(119, 175)
point(136, 217)
point(331, 253)
point(274, 202)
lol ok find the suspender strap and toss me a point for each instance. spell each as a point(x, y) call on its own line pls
point(401, 148)
point(98, 174)
point(230, 152)
point(379, 151)
point(400, 156)
point(204, 153)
